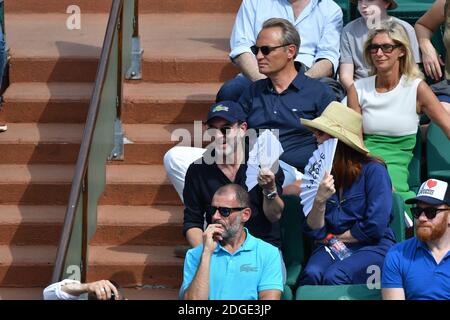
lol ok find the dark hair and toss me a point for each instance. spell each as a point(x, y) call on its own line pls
point(240, 194)
point(347, 164)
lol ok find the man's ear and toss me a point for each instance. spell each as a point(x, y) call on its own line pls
point(246, 214)
point(292, 49)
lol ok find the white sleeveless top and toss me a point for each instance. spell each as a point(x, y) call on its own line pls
point(391, 113)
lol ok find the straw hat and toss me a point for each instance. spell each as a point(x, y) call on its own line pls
point(341, 122)
point(391, 7)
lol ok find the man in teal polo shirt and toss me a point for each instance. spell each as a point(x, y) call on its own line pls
point(419, 268)
point(231, 264)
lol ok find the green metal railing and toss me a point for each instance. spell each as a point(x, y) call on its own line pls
point(99, 143)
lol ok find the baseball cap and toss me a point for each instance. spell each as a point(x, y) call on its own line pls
point(432, 191)
point(228, 110)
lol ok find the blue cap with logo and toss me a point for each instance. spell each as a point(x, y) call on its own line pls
point(228, 110)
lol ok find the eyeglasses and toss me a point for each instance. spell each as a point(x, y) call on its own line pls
point(430, 212)
point(265, 50)
point(223, 130)
point(386, 47)
point(224, 211)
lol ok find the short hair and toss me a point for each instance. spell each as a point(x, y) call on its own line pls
point(289, 33)
point(240, 194)
point(397, 33)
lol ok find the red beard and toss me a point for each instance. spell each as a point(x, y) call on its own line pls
point(432, 232)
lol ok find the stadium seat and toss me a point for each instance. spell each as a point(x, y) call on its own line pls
point(343, 292)
point(292, 239)
point(287, 293)
point(357, 291)
point(438, 153)
point(414, 177)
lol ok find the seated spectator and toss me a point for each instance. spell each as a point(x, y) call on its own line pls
point(373, 12)
point(425, 27)
point(277, 102)
point(212, 171)
point(319, 22)
point(391, 100)
point(353, 203)
point(419, 268)
point(68, 289)
point(255, 272)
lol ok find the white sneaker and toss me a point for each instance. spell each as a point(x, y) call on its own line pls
point(3, 127)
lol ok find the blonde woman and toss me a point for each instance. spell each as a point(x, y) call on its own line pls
point(391, 100)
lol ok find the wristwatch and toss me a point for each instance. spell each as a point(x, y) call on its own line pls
point(271, 195)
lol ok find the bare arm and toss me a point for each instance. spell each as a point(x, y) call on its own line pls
point(194, 237)
point(272, 208)
point(269, 295)
point(346, 71)
point(393, 294)
point(352, 99)
point(322, 68)
point(425, 27)
point(428, 103)
point(249, 67)
point(316, 218)
point(199, 287)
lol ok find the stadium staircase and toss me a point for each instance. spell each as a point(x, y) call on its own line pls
point(52, 70)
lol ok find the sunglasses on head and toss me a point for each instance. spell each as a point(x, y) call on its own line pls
point(430, 212)
point(224, 211)
point(386, 48)
point(265, 50)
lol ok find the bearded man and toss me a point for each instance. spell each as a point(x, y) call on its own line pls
point(419, 268)
point(231, 264)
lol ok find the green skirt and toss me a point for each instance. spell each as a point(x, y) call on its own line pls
point(397, 153)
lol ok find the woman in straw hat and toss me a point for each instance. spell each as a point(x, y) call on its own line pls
point(391, 100)
point(353, 203)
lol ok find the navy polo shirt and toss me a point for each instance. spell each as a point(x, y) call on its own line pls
point(411, 266)
point(202, 181)
point(266, 109)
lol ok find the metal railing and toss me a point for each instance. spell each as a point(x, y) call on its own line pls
point(99, 143)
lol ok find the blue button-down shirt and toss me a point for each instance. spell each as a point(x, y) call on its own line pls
point(410, 265)
point(319, 25)
point(254, 267)
point(266, 109)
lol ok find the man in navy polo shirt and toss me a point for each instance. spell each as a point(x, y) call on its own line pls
point(286, 95)
point(231, 264)
point(419, 268)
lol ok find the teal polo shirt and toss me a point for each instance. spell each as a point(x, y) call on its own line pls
point(254, 267)
point(411, 266)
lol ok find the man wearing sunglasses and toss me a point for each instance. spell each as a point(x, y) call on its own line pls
point(225, 162)
point(231, 263)
point(319, 22)
point(419, 268)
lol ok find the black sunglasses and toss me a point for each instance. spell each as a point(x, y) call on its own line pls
point(265, 50)
point(430, 212)
point(386, 48)
point(224, 211)
point(223, 130)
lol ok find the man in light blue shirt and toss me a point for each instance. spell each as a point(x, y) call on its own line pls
point(231, 264)
point(319, 23)
point(419, 268)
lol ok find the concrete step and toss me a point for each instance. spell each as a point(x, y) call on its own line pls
point(130, 293)
point(40, 143)
point(197, 52)
point(167, 102)
point(145, 6)
point(138, 185)
point(136, 265)
point(35, 184)
point(139, 225)
point(26, 266)
point(46, 102)
point(147, 143)
point(31, 225)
